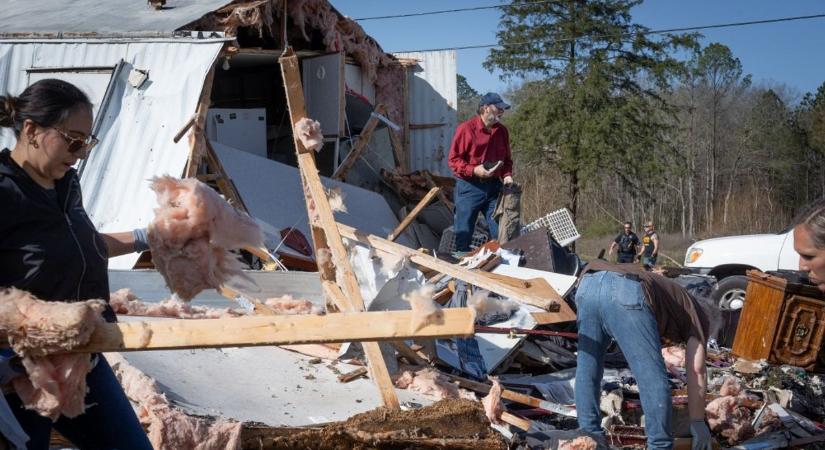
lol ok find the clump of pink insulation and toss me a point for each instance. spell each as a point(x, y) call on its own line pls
point(169, 428)
point(287, 305)
point(55, 384)
point(487, 308)
point(126, 303)
point(193, 233)
point(309, 133)
point(727, 415)
point(579, 443)
point(424, 310)
point(492, 402)
point(431, 383)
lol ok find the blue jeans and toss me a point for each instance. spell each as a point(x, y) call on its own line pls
point(471, 198)
point(108, 423)
point(612, 307)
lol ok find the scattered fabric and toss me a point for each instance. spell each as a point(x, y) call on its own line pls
point(309, 133)
point(126, 303)
point(193, 234)
point(169, 428)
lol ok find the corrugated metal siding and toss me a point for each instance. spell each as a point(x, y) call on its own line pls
point(137, 130)
point(433, 100)
point(120, 16)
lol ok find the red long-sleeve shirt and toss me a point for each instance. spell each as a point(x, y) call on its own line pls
point(473, 145)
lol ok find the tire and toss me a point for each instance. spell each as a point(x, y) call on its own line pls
point(730, 292)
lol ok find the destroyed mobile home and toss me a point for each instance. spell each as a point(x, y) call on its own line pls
point(332, 331)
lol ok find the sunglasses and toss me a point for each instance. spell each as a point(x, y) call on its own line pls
point(77, 144)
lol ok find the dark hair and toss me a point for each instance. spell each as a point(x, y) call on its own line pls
point(629, 223)
point(814, 217)
point(47, 103)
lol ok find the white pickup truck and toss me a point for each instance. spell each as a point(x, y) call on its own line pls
point(728, 258)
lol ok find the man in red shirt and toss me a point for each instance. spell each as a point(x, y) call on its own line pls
point(480, 159)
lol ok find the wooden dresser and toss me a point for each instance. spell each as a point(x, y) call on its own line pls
point(783, 321)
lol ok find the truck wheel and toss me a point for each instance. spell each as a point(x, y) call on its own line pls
point(730, 292)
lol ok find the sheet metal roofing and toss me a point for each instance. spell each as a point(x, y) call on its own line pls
point(101, 16)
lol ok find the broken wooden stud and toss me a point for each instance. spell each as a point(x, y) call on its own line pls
point(551, 302)
point(324, 231)
point(524, 399)
point(272, 330)
point(185, 128)
point(349, 376)
point(360, 145)
point(441, 195)
point(414, 213)
point(516, 421)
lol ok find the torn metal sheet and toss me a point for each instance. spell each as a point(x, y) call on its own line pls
point(274, 196)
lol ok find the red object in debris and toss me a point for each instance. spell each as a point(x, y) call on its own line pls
point(296, 240)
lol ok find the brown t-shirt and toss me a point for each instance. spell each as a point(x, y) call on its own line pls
point(674, 308)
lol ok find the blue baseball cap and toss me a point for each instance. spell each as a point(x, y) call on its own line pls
point(491, 98)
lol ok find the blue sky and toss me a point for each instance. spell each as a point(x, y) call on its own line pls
point(790, 53)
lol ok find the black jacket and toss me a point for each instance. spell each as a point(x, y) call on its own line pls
point(49, 246)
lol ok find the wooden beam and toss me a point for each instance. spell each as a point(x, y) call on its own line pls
point(414, 213)
point(513, 396)
point(426, 126)
point(349, 376)
point(398, 152)
point(272, 330)
point(320, 213)
point(551, 302)
point(185, 128)
point(197, 136)
point(360, 145)
point(441, 195)
point(515, 421)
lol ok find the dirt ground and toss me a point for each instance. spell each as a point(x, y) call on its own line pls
point(448, 424)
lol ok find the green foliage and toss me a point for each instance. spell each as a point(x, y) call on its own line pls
point(597, 107)
point(467, 98)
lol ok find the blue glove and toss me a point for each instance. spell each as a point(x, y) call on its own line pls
point(10, 366)
point(141, 237)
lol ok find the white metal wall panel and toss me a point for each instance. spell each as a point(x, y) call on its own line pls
point(137, 130)
point(433, 100)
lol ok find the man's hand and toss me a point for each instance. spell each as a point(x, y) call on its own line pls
point(508, 180)
point(481, 172)
point(701, 435)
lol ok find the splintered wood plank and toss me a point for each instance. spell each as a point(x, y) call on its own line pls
point(273, 330)
point(197, 135)
point(550, 301)
point(324, 229)
point(360, 146)
point(414, 213)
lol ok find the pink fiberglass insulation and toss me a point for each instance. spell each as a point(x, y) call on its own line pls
point(55, 385)
point(728, 416)
point(192, 236)
point(674, 360)
point(37, 328)
point(309, 133)
point(169, 428)
point(429, 382)
point(124, 302)
point(579, 443)
point(287, 305)
point(335, 196)
point(492, 402)
point(424, 310)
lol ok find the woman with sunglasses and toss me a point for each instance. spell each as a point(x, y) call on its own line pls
point(49, 247)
